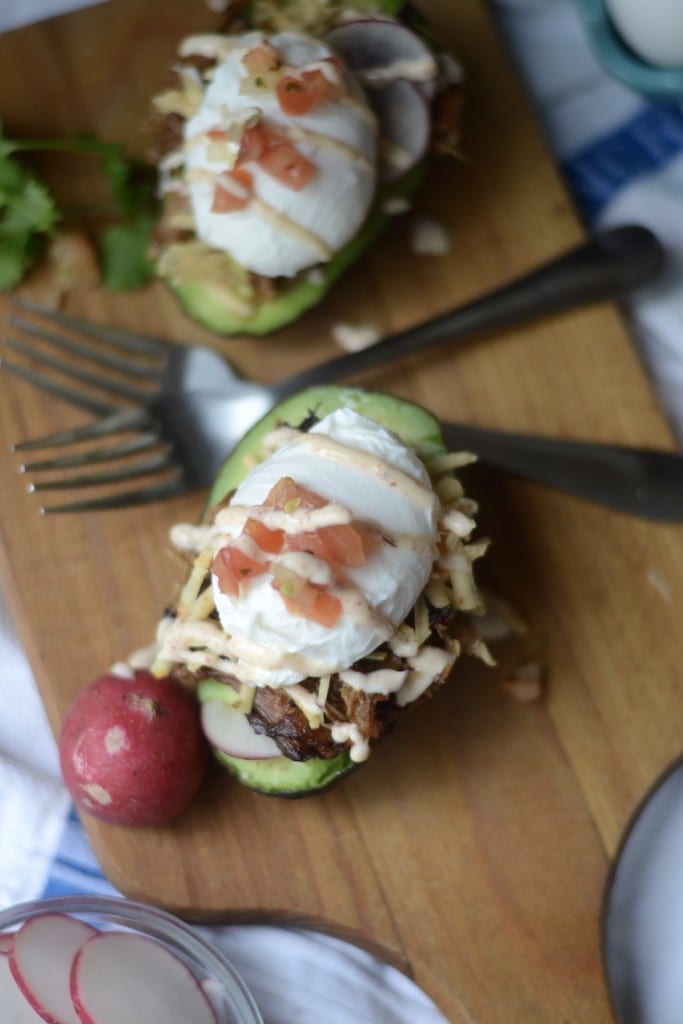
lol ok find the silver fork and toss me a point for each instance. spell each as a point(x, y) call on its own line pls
point(640, 481)
point(604, 267)
point(160, 411)
point(138, 367)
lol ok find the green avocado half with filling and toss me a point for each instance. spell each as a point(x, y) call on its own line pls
point(280, 776)
point(213, 306)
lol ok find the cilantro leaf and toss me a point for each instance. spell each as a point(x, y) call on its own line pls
point(29, 214)
point(32, 209)
point(12, 176)
point(131, 182)
point(14, 258)
point(123, 254)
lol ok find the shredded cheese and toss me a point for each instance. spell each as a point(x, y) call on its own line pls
point(197, 640)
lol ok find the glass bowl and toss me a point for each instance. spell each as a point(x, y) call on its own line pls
point(230, 997)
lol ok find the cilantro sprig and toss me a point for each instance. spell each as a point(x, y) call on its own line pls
point(30, 215)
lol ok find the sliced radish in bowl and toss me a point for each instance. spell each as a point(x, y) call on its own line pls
point(120, 976)
point(14, 1005)
point(40, 960)
point(151, 967)
point(229, 730)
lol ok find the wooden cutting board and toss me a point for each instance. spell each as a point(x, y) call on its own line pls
point(473, 848)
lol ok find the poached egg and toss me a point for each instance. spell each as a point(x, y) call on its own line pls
point(284, 230)
point(350, 460)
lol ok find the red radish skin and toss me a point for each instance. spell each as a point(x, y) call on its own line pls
point(119, 976)
point(132, 751)
point(40, 961)
point(14, 1005)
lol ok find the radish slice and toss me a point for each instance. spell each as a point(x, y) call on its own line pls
point(40, 960)
point(120, 976)
point(229, 730)
point(380, 51)
point(399, 72)
point(14, 1005)
point(404, 127)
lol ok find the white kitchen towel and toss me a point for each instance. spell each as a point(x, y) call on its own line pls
point(33, 809)
point(622, 157)
point(17, 13)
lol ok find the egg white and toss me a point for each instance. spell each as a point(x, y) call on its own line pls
point(332, 205)
point(391, 579)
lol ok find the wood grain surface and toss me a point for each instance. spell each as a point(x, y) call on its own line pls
point(473, 848)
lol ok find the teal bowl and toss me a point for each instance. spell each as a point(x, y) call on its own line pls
point(621, 62)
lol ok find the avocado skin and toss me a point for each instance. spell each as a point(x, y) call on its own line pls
point(203, 301)
point(278, 776)
point(417, 428)
point(413, 424)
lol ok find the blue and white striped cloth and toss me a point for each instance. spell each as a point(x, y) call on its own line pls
point(622, 158)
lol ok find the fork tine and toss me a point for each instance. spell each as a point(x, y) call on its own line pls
point(89, 352)
point(128, 341)
point(134, 446)
point(109, 384)
point(79, 399)
point(123, 499)
point(114, 423)
point(159, 462)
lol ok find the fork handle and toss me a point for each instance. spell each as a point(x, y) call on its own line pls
point(608, 264)
point(645, 482)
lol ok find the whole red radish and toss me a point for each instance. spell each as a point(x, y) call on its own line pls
point(132, 750)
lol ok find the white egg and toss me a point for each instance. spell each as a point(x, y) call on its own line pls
point(286, 230)
point(653, 29)
point(391, 490)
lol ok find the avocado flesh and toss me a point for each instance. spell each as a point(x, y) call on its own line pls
point(414, 425)
point(275, 776)
point(208, 304)
point(418, 429)
point(278, 776)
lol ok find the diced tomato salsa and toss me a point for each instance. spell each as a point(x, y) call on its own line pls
point(304, 598)
point(341, 546)
point(232, 191)
point(303, 91)
point(255, 140)
point(267, 539)
point(233, 567)
point(278, 157)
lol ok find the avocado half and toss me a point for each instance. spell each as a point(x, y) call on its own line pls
point(279, 776)
point(209, 305)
